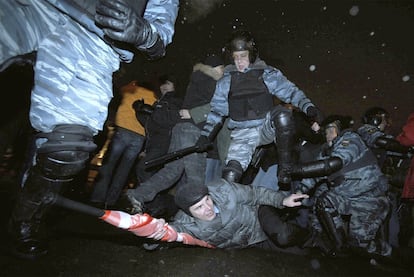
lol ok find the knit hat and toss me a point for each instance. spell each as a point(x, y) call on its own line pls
point(187, 195)
point(213, 61)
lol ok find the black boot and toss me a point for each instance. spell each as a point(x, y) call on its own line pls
point(28, 239)
point(27, 224)
point(320, 241)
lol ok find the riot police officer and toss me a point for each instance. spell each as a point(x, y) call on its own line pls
point(375, 122)
point(392, 158)
point(351, 203)
point(75, 46)
point(244, 94)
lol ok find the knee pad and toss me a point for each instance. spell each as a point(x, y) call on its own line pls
point(65, 153)
point(282, 119)
point(233, 171)
point(285, 130)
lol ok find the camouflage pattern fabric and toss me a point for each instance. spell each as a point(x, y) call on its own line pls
point(361, 195)
point(74, 65)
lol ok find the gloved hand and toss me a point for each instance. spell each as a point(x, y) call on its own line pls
point(315, 114)
point(121, 22)
point(203, 143)
point(140, 107)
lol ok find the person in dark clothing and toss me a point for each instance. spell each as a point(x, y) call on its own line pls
point(75, 47)
point(164, 114)
point(196, 106)
point(392, 159)
point(190, 168)
point(159, 120)
point(125, 145)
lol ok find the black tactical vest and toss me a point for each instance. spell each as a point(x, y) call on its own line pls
point(249, 97)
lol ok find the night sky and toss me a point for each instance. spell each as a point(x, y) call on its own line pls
point(346, 56)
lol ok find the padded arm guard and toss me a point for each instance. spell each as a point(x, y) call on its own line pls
point(391, 144)
point(317, 168)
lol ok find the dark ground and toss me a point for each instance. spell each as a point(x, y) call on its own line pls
point(84, 246)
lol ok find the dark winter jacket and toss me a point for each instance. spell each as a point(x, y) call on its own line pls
point(199, 92)
point(165, 114)
point(159, 125)
point(201, 87)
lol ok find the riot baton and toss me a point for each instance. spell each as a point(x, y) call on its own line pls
point(175, 155)
point(178, 154)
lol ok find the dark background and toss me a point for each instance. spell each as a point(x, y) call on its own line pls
point(360, 59)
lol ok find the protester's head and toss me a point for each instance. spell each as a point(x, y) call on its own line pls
point(167, 83)
point(216, 62)
point(378, 117)
point(195, 200)
point(213, 60)
point(242, 48)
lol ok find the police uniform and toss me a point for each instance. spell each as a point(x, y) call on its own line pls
point(75, 60)
point(357, 191)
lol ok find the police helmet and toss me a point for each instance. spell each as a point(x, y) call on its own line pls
point(242, 40)
point(374, 116)
point(340, 122)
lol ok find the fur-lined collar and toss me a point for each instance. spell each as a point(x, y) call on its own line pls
point(208, 70)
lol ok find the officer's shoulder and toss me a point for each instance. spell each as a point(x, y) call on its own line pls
point(349, 137)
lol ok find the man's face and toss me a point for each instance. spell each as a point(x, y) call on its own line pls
point(385, 122)
point(330, 134)
point(203, 209)
point(241, 60)
point(167, 87)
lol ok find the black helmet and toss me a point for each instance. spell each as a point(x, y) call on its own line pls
point(374, 116)
point(340, 122)
point(242, 40)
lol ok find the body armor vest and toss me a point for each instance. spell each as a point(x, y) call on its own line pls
point(249, 97)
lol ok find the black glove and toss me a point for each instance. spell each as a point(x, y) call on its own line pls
point(203, 143)
point(121, 22)
point(314, 114)
point(140, 107)
point(142, 111)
